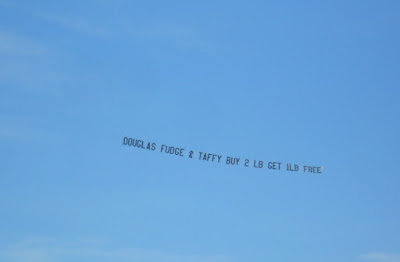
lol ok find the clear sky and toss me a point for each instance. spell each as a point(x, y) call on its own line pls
point(302, 82)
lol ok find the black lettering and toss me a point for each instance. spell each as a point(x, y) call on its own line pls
point(171, 149)
point(290, 167)
point(200, 153)
point(205, 157)
point(255, 161)
point(270, 165)
point(237, 161)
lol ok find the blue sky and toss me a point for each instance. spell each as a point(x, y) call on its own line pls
point(303, 82)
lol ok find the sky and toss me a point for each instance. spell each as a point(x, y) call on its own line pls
point(307, 83)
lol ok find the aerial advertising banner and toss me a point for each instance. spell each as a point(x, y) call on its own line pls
point(220, 159)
